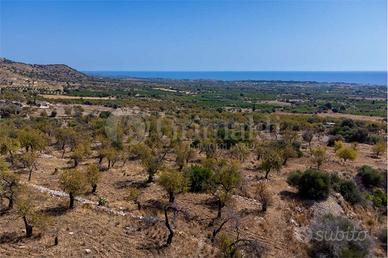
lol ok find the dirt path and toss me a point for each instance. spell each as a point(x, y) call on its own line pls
point(76, 97)
point(95, 205)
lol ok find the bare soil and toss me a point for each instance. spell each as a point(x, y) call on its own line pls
point(87, 231)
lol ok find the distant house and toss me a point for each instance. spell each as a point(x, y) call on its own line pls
point(329, 124)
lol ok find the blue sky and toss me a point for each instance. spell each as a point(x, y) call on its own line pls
point(216, 35)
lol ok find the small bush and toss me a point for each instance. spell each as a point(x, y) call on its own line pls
point(104, 114)
point(369, 176)
point(228, 249)
point(102, 201)
point(379, 148)
point(379, 198)
point(338, 145)
point(335, 182)
point(346, 153)
point(294, 178)
point(350, 192)
point(53, 113)
point(133, 194)
point(333, 139)
point(314, 184)
point(199, 178)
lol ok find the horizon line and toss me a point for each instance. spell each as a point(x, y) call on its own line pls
point(83, 70)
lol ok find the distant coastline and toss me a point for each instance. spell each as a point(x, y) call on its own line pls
point(358, 77)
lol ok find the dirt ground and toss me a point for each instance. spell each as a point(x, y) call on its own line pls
point(340, 115)
point(90, 232)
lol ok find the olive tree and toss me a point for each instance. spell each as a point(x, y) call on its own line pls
point(151, 159)
point(29, 160)
point(66, 137)
point(9, 184)
point(308, 136)
point(271, 161)
point(32, 139)
point(225, 180)
point(173, 182)
point(72, 182)
point(240, 151)
point(379, 148)
point(8, 146)
point(92, 176)
point(287, 151)
point(80, 151)
point(29, 213)
point(318, 156)
point(183, 154)
point(263, 195)
point(112, 155)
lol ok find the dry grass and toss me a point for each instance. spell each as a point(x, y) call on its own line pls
point(109, 235)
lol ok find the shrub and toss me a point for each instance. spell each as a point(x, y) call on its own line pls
point(373, 139)
point(338, 145)
point(314, 184)
point(318, 156)
point(347, 123)
point(240, 151)
point(53, 113)
point(360, 135)
point(333, 139)
point(350, 192)
point(104, 114)
point(8, 109)
point(335, 182)
point(227, 247)
point(347, 153)
point(379, 148)
point(334, 236)
point(308, 136)
point(102, 201)
point(379, 198)
point(351, 132)
point(294, 178)
point(133, 194)
point(263, 196)
point(370, 176)
point(199, 178)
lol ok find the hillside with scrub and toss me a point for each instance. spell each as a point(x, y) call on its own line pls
point(170, 168)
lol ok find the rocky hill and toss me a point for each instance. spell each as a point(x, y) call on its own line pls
point(50, 77)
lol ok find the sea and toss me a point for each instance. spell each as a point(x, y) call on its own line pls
point(358, 77)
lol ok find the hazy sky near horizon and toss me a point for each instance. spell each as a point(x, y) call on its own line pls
point(215, 35)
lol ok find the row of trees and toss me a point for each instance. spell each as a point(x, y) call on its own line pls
point(86, 137)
